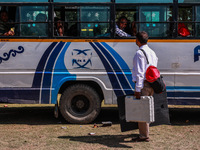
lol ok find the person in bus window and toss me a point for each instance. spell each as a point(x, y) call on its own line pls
point(122, 30)
point(120, 27)
point(59, 27)
point(142, 87)
point(5, 27)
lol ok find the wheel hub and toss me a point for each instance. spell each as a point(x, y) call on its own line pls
point(80, 104)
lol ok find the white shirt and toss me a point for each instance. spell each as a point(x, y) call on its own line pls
point(140, 65)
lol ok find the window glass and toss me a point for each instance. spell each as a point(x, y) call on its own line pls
point(144, 1)
point(188, 1)
point(185, 26)
point(69, 21)
point(96, 21)
point(131, 14)
point(85, 21)
point(34, 21)
point(23, 1)
point(97, 1)
point(8, 21)
point(155, 20)
point(198, 21)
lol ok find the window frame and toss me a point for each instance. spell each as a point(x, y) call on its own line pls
point(175, 5)
point(19, 22)
point(138, 22)
point(110, 5)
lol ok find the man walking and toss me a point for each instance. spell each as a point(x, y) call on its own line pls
point(142, 87)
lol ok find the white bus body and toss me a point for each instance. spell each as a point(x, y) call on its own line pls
point(35, 71)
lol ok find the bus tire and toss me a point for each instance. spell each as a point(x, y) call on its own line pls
point(80, 104)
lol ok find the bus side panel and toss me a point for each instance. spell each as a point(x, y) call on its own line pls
point(180, 60)
point(178, 63)
point(34, 71)
point(120, 59)
point(95, 61)
point(79, 61)
point(20, 71)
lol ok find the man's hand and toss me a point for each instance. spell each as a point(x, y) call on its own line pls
point(137, 95)
point(11, 33)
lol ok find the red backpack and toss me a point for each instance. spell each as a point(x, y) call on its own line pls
point(183, 30)
point(154, 78)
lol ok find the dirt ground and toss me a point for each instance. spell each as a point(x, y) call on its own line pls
point(34, 127)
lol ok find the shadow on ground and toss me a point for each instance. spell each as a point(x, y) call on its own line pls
point(114, 141)
point(44, 115)
point(184, 116)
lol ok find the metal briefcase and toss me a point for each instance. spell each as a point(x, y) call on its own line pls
point(139, 110)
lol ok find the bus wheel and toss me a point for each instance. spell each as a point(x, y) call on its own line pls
point(80, 104)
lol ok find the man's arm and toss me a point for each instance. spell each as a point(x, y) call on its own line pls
point(140, 72)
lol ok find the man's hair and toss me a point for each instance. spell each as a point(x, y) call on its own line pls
point(142, 37)
point(122, 17)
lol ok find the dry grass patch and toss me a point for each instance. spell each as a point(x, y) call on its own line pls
point(34, 127)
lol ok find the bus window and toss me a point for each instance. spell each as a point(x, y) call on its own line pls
point(34, 21)
point(84, 21)
point(7, 20)
point(23, 1)
point(154, 20)
point(144, 1)
point(69, 17)
point(131, 13)
point(95, 21)
point(197, 20)
point(185, 27)
point(82, 1)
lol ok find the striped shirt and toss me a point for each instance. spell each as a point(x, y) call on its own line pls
point(120, 32)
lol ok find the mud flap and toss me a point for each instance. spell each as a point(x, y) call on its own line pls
point(160, 109)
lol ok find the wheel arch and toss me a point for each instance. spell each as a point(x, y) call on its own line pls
point(96, 84)
point(92, 84)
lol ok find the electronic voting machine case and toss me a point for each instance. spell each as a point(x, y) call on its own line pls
point(139, 110)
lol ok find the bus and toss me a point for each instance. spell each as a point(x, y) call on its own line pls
point(68, 48)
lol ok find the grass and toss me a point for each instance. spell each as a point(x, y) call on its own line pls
point(34, 127)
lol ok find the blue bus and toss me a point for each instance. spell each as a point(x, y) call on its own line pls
point(66, 52)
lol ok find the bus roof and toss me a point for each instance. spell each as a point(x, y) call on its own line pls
point(144, 1)
point(73, 1)
point(103, 1)
point(24, 1)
